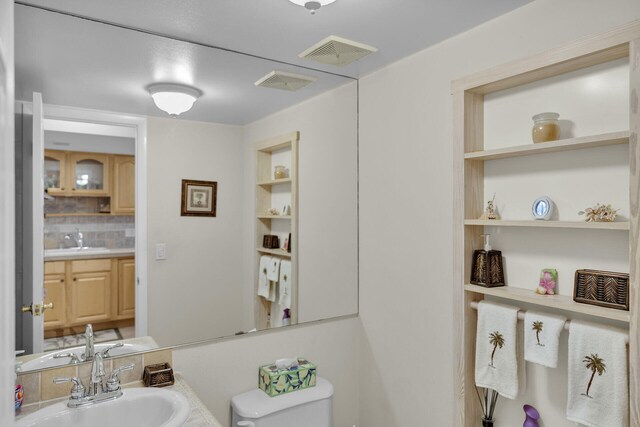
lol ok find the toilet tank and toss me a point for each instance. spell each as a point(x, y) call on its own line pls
point(311, 407)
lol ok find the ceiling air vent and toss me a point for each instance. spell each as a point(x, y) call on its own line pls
point(285, 81)
point(335, 50)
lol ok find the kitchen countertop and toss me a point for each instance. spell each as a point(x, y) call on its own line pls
point(112, 253)
point(199, 415)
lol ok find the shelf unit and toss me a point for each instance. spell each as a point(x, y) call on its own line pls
point(266, 188)
point(469, 156)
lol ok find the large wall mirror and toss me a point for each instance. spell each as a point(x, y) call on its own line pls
point(282, 246)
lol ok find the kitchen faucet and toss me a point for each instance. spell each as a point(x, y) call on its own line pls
point(77, 238)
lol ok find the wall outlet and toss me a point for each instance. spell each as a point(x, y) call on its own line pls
point(130, 232)
point(161, 251)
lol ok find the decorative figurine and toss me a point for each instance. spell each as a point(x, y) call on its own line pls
point(274, 212)
point(548, 280)
point(490, 212)
point(532, 415)
point(600, 213)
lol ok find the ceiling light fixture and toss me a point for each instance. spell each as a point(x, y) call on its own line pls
point(172, 98)
point(312, 5)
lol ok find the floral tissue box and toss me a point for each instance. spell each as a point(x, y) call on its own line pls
point(275, 382)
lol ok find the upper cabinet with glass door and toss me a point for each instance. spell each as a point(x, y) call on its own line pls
point(76, 174)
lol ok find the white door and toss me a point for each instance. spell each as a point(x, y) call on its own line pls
point(36, 318)
point(7, 214)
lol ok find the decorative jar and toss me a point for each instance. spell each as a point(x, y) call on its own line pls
point(280, 172)
point(545, 127)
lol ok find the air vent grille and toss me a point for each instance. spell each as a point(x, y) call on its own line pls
point(285, 81)
point(337, 51)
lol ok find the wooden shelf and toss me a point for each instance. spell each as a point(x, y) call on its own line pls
point(274, 182)
point(561, 302)
point(551, 224)
point(288, 217)
point(278, 252)
point(612, 138)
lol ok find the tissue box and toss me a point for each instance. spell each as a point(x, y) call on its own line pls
point(274, 381)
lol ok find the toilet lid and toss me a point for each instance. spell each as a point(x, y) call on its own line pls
point(257, 404)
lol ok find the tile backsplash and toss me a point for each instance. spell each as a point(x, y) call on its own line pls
point(108, 231)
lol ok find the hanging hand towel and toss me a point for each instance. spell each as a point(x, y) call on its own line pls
point(542, 337)
point(284, 297)
point(598, 395)
point(273, 272)
point(496, 360)
point(263, 282)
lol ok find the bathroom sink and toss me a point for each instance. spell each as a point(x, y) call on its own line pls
point(48, 361)
point(69, 251)
point(138, 407)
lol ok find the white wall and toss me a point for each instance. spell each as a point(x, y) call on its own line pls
point(7, 247)
point(219, 371)
point(406, 201)
point(327, 200)
point(201, 278)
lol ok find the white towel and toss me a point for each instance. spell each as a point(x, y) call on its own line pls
point(263, 281)
point(496, 347)
point(273, 272)
point(598, 395)
point(284, 288)
point(542, 338)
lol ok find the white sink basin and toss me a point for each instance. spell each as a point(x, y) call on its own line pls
point(68, 251)
point(47, 360)
point(138, 407)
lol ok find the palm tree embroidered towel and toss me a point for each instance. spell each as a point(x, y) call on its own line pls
point(496, 345)
point(284, 288)
point(542, 338)
point(598, 395)
point(263, 281)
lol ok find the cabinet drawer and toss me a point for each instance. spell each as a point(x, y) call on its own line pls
point(54, 267)
point(88, 265)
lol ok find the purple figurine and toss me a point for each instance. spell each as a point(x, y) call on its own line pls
point(532, 416)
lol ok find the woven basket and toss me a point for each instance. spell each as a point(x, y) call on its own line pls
point(160, 375)
point(603, 288)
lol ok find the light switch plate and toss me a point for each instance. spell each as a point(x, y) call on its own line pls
point(161, 251)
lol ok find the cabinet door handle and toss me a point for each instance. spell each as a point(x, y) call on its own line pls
point(74, 189)
point(62, 189)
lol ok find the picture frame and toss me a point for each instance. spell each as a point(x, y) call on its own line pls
point(199, 198)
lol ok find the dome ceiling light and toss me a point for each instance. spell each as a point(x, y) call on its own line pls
point(312, 5)
point(174, 99)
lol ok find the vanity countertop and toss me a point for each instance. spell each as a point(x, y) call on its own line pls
point(109, 253)
point(199, 414)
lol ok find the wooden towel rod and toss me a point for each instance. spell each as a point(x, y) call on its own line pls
point(474, 305)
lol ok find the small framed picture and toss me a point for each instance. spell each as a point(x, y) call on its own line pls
point(198, 198)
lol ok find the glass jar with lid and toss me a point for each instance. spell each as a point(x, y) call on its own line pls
point(280, 172)
point(545, 127)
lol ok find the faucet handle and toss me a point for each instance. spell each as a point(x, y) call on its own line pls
point(114, 379)
point(105, 352)
point(74, 357)
point(77, 391)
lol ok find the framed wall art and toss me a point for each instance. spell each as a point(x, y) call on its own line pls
point(198, 198)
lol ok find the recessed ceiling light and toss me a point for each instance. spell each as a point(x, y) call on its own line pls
point(174, 99)
point(312, 5)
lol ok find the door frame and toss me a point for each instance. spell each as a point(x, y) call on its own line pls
point(139, 125)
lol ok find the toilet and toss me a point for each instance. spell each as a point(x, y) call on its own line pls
point(311, 407)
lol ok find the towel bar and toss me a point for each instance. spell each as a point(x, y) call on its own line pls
point(474, 305)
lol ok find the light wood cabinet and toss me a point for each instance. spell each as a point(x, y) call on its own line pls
point(124, 184)
point(69, 173)
point(97, 291)
point(471, 153)
point(126, 298)
point(272, 192)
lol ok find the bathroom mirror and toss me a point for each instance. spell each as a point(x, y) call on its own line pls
point(201, 272)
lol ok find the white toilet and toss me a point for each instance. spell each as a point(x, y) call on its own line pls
point(312, 407)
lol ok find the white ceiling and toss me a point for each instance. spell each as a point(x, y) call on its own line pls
point(82, 63)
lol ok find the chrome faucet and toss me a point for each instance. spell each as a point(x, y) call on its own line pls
point(99, 390)
point(77, 238)
point(88, 345)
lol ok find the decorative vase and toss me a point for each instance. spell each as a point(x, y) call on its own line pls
point(487, 422)
point(280, 172)
point(532, 416)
